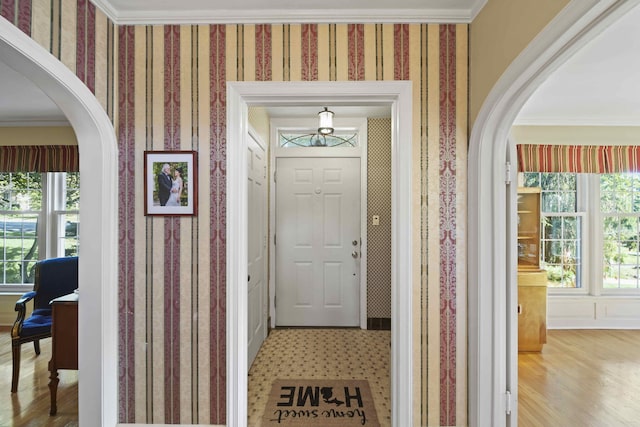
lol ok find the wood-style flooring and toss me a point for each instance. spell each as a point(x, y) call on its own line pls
point(30, 406)
point(582, 378)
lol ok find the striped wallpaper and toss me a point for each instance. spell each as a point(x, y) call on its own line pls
point(164, 88)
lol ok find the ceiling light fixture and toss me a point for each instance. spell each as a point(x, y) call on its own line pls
point(324, 137)
point(325, 127)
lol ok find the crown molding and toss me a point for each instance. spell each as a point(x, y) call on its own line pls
point(282, 16)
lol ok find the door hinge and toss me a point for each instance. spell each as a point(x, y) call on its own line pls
point(507, 402)
point(274, 176)
point(265, 173)
point(274, 239)
point(275, 301)
point(507, 173)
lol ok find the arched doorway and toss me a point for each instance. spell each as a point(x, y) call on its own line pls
point(98, 352)
point(492, 319)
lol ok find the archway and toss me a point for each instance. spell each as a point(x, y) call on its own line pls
point(492, 350)
point(98, 352)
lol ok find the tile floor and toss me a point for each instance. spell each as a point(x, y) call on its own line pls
point(322, 353)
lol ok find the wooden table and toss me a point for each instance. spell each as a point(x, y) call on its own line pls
point(64, 340)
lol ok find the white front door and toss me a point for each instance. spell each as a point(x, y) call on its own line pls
point(318, 242)
point(256, 246)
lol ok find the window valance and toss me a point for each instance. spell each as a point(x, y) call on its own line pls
point(39, 158)
point(578, 158)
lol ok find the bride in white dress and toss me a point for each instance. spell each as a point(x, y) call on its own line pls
point(176, 189)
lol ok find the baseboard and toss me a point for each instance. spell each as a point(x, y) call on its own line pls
point(590, 312)
point(379, 323)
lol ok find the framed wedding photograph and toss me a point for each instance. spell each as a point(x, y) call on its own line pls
point(170, 183)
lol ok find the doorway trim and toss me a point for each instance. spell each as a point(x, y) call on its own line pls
point(489, 320)
point(97, 270)
point(398, 94)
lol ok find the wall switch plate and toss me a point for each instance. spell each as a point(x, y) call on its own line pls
point(375, 220)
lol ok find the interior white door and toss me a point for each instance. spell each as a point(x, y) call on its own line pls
point(256, 246)
point(318, 242)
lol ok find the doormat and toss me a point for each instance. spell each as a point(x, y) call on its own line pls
point(314, 402)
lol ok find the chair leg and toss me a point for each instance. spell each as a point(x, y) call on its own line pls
point(36, 346)
point(16, 368)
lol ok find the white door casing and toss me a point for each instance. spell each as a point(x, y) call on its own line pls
point(257, 244)
point(397, 94)
point(318, 246)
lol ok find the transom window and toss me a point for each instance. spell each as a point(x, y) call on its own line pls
point(301, 139)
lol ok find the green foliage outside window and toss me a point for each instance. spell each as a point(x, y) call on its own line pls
point(21, 210)
point(620, 207)
point(560, 240)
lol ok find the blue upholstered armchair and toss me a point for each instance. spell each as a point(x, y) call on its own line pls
point(53, 278)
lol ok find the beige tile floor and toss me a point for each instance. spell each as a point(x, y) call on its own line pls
point(322, 353)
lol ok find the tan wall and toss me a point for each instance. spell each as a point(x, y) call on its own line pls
point(259, 119)
point(45, 135)
point(499, 33)
point(7, 308)
point(577, 135)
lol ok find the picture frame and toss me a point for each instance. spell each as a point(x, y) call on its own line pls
point(173, 193)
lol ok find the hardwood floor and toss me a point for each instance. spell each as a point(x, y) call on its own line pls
point(582, 378)
point(31, 404)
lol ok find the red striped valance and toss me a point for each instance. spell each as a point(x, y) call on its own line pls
point(39, 158)
point(578, 158)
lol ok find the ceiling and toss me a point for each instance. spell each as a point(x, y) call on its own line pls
point(597, 86)
point(23, 104)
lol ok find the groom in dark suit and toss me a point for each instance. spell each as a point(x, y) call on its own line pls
point(164, 184)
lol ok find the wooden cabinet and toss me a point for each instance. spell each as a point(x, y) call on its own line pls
point(532, 281)
point(528, 228)
point(532, 310)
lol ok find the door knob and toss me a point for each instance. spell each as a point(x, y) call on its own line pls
point(354, 254)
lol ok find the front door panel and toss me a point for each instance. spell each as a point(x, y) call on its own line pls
point(318, 242)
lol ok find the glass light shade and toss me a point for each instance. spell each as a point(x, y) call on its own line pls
point(325, 127)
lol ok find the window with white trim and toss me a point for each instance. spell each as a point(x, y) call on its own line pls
point(620, 209)
point(590, 231)
point(38, 219)
point(561, 235)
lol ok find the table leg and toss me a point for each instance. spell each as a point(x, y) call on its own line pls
point(53, 388)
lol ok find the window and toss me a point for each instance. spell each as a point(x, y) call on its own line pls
point(620, 208)
point(601, 209)
point(561, 238)
point(38, 219)
point(302, 139)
